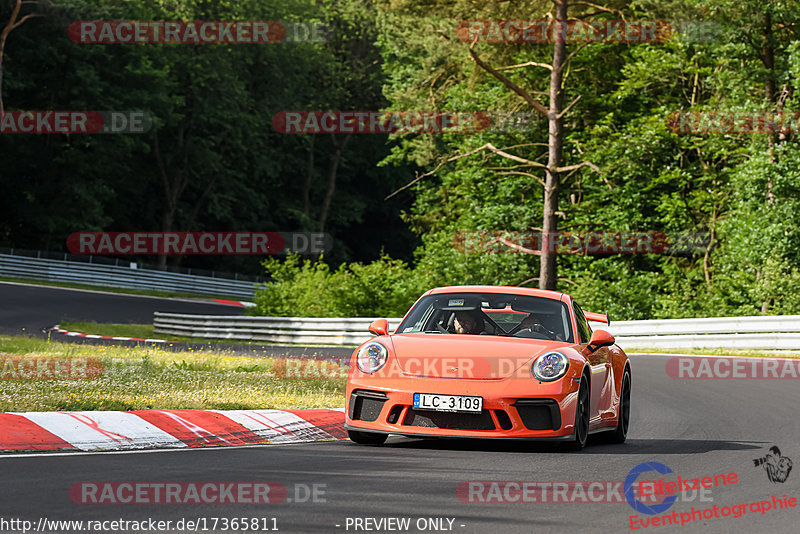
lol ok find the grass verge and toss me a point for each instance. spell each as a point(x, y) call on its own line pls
point(718, 352)
point(144, 378)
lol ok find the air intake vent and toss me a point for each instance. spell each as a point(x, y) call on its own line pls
point(503, 419)
point(394, 414)
point(366, 405)
point(539, 414)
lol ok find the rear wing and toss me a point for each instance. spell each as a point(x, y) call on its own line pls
point(597, 317)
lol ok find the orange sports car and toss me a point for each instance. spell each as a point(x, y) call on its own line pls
point(490, 362)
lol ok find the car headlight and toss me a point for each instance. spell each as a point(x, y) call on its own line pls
point(550, 366)
point(372, 357)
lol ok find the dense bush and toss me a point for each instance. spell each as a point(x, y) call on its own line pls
point(383, 288)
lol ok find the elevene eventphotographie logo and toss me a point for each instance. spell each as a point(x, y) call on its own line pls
point(662, 493)
point(665, 492)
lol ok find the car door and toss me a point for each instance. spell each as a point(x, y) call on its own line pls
point(602, 375)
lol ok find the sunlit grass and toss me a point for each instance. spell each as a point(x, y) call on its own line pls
point(152, 378)
point(718, 352)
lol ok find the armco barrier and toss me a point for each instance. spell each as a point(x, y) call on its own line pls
point(761, 332)
point(302, 330)
point(124, 277)
point(777, 332)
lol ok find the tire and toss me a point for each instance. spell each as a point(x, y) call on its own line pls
point(366, 438)
point(581, 435)
point(620, 434)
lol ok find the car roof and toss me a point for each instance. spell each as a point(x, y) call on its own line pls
point(529, 291)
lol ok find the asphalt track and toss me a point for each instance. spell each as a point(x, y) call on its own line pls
point(695, 427)
point(31, 307)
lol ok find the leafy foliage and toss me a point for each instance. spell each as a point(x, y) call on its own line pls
point(382, 288)
point(219, 165)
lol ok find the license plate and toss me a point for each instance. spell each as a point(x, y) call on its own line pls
point(448, 403)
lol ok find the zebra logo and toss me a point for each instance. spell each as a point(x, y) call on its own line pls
point(777, 467)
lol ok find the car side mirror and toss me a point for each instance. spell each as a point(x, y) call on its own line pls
point(380, 327)
point(600, 338)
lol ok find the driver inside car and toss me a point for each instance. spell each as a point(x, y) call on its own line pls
point(534, 324)
point(468, 322)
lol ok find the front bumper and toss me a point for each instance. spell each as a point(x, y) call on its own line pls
point(512, 408)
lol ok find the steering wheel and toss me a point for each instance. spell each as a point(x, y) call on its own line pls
point(515, 329)
point(530, 333)
point(440, 329)
point(538, 331)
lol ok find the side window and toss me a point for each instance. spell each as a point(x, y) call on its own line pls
point(584, 332)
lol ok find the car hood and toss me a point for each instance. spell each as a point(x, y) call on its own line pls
point(466, 356)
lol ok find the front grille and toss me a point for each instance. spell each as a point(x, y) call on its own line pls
point(449, 420)
point(366, 405)
point(539, 414)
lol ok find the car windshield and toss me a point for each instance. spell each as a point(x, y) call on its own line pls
point(494, 314)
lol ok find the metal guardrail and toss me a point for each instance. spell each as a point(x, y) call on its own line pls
point(302, 330)
point(122, 277)
point(776, 332)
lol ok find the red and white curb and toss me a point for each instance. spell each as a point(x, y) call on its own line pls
point(148, 429)
point(58, 330)
point(235, 303)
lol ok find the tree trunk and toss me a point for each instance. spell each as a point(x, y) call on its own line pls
point(770, 93)
point(2, 49)
point(172, 189)
point(332, 169)
point(309, 180)
point(3, 37)
point(548, 272)
point(13, 23)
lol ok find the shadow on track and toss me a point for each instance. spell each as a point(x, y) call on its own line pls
point(595, 446)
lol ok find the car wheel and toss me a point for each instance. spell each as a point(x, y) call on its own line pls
point(621, 432)
point(581, 417)
point(366, 438)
